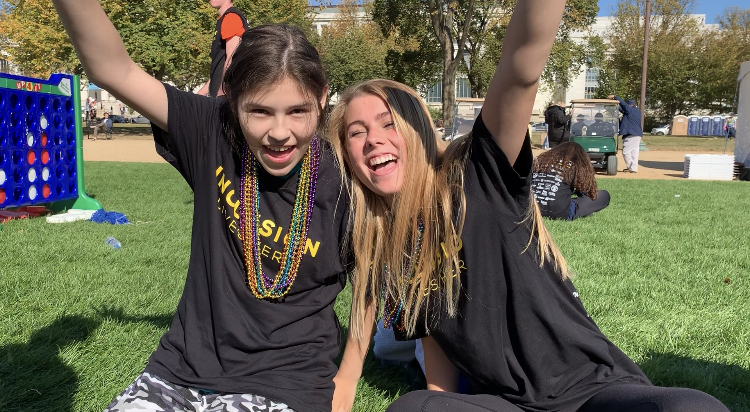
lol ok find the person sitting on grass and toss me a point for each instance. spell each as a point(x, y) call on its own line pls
point(457, 248)
point(558, 174)
point(255, 327)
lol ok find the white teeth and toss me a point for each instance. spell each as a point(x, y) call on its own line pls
point(381, 159)
point(279, 148)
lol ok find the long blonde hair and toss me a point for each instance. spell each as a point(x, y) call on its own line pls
point(384, 235)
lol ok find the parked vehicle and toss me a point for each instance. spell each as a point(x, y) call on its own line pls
point(539, 127)
point(660, 130)
point(595, 128)
point(139, 120)
point(116, 118)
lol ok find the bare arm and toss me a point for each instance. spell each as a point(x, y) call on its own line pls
point(203, 91)
point(526, 47)
point(440, 373)
point(352, 362)
point(107, 63)
point(231, 46)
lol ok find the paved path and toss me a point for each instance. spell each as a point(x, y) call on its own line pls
point(652, 164)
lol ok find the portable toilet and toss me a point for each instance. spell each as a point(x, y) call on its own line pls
point(705, 126)
point(694, 126)
point(679, 126)
point(717, 126)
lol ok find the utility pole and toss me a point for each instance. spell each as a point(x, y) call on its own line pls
point(647, 21)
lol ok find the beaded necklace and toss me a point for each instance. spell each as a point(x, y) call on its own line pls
point(259, 283)
point(393, 309)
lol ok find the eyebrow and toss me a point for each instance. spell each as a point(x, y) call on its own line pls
point(378, 117)
point(252, 105)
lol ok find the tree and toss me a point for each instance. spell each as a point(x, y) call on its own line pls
point(170, 39)
point(722, 52)
point(673, 58)
point(352, 50)
point(443, 16)
point(292, 12)
point(415, 57)
point(487, 31)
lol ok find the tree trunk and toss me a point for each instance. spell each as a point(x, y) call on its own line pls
point(449, 88)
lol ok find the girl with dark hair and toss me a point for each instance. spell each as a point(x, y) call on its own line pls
point(558, 174)
point(255, 328)
point(469, 266)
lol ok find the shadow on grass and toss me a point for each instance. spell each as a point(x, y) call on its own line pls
point(32, 375)
point(728, 383)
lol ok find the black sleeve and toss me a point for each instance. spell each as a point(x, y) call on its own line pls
point(194, 123)
point(491, 178)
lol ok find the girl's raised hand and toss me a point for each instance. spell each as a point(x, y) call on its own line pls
point(107, 63)
point(510, 95)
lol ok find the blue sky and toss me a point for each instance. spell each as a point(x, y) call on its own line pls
point(711, 8)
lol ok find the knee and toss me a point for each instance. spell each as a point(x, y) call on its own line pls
point(690, 400)
point(603, 196)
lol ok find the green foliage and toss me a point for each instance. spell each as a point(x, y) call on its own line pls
point(352, 51)
point(688, 67)
point(415, 58)
point(435, 112)
point(170, 39)
point(78, 320)
point(292, 12)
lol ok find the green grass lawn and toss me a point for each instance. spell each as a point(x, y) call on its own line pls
point(665, 272)
point(669, 143)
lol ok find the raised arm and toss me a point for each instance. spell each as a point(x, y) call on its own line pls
point(107, 63)
point(623, 105)
point(526, 47)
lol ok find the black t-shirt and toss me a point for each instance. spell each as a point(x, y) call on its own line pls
point(521, 332)
point(222, 338)
point(552, 194)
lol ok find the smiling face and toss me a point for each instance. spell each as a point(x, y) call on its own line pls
point(279, 124)
point(376, 149)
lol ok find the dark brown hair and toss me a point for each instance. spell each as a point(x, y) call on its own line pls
point(265, 56)
point(572, 163)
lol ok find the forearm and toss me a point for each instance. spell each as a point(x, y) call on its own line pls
point(355, 351)
point(512, 91)
point(350, 369)
point(231, 46)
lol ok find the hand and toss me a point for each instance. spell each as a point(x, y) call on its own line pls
point(343, 394)
point(611, 97)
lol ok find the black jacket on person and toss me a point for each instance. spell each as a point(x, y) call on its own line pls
point(557, 125)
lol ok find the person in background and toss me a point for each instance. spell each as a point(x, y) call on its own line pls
point(579, 127)
point(229, 28)
point(104, 124)
point(631, 132)
point(557, 121)
point(560, 173)
point(730, 127)
point(600, 127)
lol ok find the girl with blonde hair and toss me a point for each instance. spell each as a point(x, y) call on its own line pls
point(451, 248)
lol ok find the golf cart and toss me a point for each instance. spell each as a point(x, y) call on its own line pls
point(594, 125)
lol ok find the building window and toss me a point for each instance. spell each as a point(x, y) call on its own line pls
point(463, 88)
point(4, 66)
point(435, 93)
point(592, 83)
